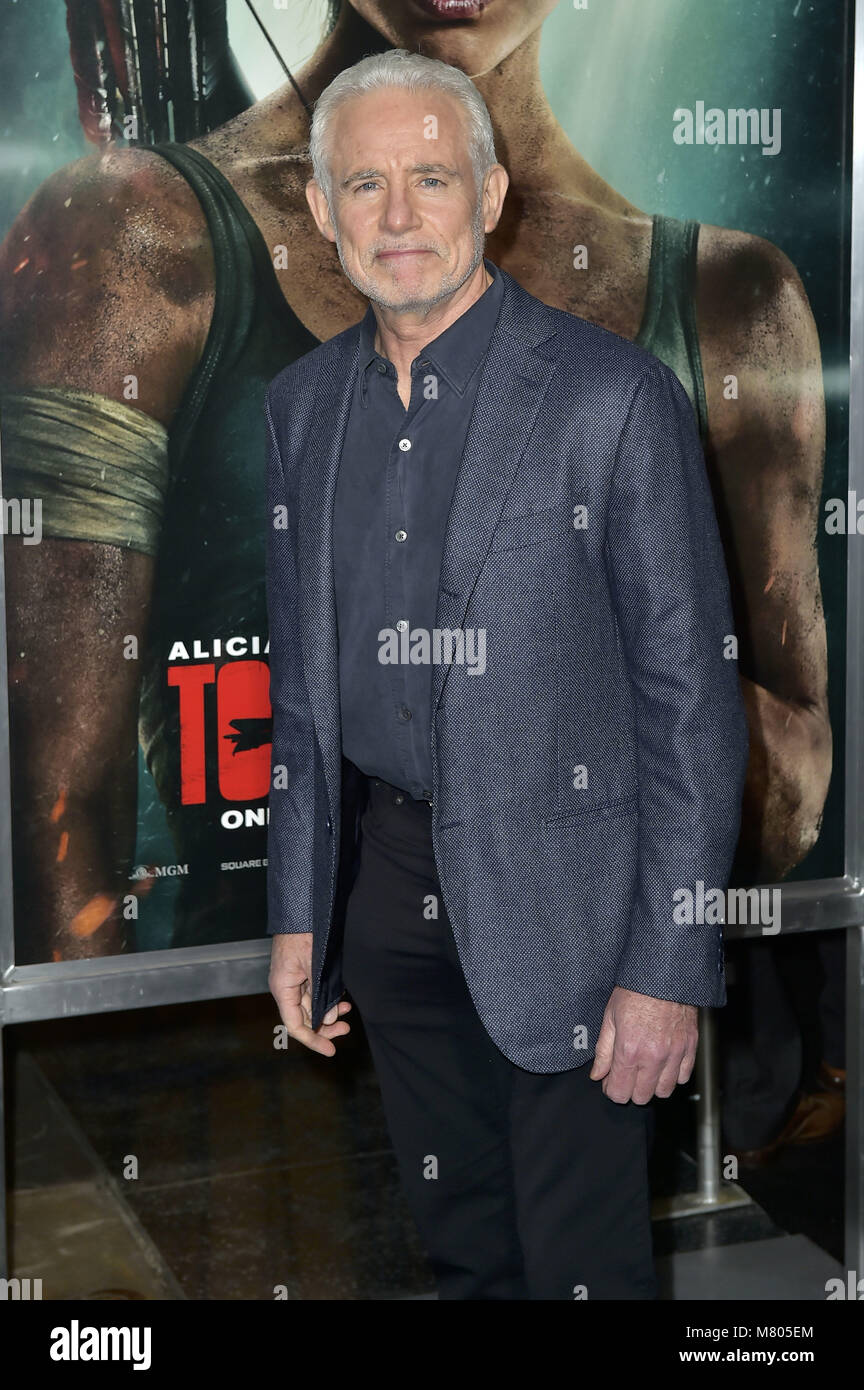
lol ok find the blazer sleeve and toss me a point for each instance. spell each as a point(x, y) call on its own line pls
point(671, 597)
point(290, 827)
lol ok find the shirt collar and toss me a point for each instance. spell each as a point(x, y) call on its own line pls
point(457, 351)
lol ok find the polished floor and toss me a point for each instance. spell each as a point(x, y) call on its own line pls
point(175, 1153)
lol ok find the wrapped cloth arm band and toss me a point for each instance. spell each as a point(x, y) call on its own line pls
point(100, 467)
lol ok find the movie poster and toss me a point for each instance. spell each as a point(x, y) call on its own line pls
point(680, 174)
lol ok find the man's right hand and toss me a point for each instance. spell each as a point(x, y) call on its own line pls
point(291, 987)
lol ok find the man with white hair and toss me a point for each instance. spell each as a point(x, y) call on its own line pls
point(469, 461)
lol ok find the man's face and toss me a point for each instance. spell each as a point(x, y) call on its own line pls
point(404, 211)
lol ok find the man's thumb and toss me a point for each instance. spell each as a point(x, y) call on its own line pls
point(603, 1051)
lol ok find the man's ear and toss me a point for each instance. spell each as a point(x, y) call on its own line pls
point(494, 192)
point(317, 201)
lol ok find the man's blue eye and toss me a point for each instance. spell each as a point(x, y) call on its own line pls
point(370, 183)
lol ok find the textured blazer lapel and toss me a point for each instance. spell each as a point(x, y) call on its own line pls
point(324, 434)
point(514, 381)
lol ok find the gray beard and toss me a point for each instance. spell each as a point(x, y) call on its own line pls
point(449, 285)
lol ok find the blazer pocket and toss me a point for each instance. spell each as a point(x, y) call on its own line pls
point(531, 528)
point(601, 810)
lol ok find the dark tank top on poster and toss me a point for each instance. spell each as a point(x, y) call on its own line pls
point(204, 715)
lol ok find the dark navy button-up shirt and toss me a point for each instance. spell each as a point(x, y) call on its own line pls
point(396, 478)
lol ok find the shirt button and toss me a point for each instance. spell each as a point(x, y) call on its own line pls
point(401, 535)
point(404, 445)
point(404, 712)
point(402, 624)
point(382, 367)
point(398, 798)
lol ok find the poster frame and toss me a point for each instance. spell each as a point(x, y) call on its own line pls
point(65, 989)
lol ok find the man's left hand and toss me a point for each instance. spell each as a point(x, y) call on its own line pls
point(646, 1046)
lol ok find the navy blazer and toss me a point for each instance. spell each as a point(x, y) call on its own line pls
point(593, 773)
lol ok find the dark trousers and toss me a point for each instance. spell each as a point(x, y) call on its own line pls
point(522, 1185)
